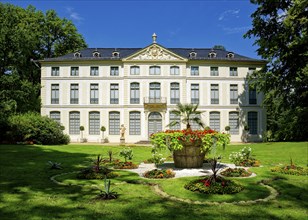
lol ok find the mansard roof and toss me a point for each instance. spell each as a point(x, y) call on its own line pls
point(185, 53)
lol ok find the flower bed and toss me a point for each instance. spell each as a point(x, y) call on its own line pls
point(159, 174)
point(90, 173)
point(220, 186)
point(125, 165)
point(243, 158)
point(291, 170)
point(236, 172)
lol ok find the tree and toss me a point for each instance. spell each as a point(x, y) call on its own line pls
point(280, 29)
point(188, 114)
point(28, 35)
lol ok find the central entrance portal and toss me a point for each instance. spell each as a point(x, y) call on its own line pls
point(155, 123)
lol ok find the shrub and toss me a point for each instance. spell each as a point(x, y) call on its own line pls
point(159, 174)
point(39, 129)
point(236, 172)
point(220, 186)
point(127, 153)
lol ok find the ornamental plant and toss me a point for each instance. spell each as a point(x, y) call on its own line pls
point(177, 139)
point(243, 158)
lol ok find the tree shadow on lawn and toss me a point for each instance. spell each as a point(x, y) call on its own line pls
point(27, 193)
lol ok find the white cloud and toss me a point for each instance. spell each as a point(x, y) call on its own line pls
point(74, 15)
point(229, 13)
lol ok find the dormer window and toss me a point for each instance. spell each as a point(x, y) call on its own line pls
point(77, 54)
point(115, 54)
point(96, 54)
point(212, 54)
point(193, 54)
point(230, 55)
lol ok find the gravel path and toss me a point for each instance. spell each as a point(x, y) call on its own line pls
point(180, 172)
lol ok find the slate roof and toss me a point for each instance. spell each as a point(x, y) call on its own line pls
point(106, 54)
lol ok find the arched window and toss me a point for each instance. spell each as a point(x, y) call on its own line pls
point(134, 123)
point(174, 118)
point(114, 123)
point(115, 54)
point(174, 70)
point(134, 70)
point(94, 123)
point(212, 54)
point(154, 70)
point(74, 123)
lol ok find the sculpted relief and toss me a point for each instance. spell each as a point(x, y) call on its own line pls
point(155, 53)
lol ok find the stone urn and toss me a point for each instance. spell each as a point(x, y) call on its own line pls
point(189, 157)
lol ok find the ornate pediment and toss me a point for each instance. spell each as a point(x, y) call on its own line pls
point(155, 52)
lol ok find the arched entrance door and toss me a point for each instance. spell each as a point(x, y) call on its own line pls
point(155, 123)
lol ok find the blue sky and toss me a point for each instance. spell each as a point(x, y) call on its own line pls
point(188, 24)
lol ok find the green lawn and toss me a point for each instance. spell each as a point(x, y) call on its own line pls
point(26, 191)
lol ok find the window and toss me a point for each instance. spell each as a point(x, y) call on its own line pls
point(74, 123)
point(114, 71)
point(233, 94)
point(54, 93)
point(252, 96)
point(233, 71)
point(212, 54)
point(253, 122)
point(194, 71)
point(134, 123)
point(94, 123)
point(193, 124)
point(174, 93)
point(154, 70)
point(155, 93)
point(192, 54)
point(114, 93)
point(174, 70)
point(55, 71)
point(134, 93)
point(94, 71)
point(175, 118)
point(215, 121)
point(114, 123)
point(96, 54)
point(134, 70)
point(214, 71)
point(93, 93)
point(115, 54)
point(74, 94)
point(77, 54)
point(194, 93)
point(214, 94)
point(55, 116)
point(234, 122)
point(74, 71)
point(230, 55)
point(251, 70)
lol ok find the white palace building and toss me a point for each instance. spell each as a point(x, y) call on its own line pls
point(138, 87)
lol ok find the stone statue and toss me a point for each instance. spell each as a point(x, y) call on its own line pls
point(122, 131)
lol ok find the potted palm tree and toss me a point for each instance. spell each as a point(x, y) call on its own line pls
point(188, 146)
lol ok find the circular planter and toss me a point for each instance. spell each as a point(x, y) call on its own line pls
point(189, 157)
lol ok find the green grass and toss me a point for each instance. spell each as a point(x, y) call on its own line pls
point(26, 191)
